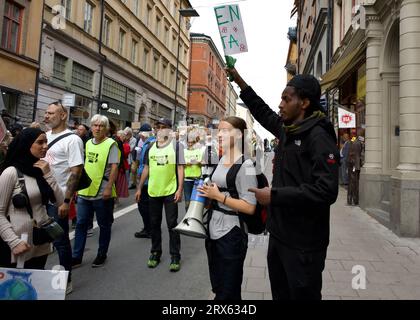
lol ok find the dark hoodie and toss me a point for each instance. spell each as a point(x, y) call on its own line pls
point(305, 176)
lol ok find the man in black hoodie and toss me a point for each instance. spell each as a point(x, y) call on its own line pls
point(305, 184)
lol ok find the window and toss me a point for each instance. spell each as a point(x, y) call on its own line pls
point(67, 5)
point(81, 76)
point(157, 26)
point(185, 56)
point(148, 15)
point(175, 9)
point(121, 42)
point(164, 72)
point(59, 68)
point(155, 67)
point(174, 42)
point(114, 90)
point(145, 59)
point(134, 51)
point(131, 97)
point(107, 30)
point(166, 36)
point(88, 18)
point(12, 25)
point(137, 7)
point(172, 84)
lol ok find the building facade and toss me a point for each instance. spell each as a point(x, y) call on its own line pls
point(390, 178)
point(312, 37)
point(292, 54)
point(231, 100)
point(207, 87)
point(20, 30)
point(375, 74)
point(123, 53)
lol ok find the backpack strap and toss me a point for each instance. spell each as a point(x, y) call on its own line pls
point(21, 181)
point(231, 188)
point(58, 139)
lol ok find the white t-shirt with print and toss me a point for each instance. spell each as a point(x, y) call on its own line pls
point(63, 155)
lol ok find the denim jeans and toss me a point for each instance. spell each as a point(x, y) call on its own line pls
point(104, 210)
point(188, 188)
point(62, 245)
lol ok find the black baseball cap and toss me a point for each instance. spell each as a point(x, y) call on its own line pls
point(165, 122)
point(310, 88)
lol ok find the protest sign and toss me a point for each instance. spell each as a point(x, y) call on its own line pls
point(231, 29)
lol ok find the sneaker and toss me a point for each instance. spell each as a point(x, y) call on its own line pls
point(175, 265)
point(76, 263)
point(142, 234)
point(89, 233)
point(154, 260)
point(69, 288)
point(99, 261)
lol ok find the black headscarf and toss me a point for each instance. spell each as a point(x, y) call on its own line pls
point(19, 156)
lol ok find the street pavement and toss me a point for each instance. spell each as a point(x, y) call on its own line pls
point(125, 275)
point(358, 243)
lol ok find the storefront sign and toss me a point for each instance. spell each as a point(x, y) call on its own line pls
point(135, 125)
point(69, 99)
point(114, 111)
point(346, 119)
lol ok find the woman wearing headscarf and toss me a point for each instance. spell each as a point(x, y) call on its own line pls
point(24, 154)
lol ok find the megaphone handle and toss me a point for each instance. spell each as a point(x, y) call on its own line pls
point(21, 258)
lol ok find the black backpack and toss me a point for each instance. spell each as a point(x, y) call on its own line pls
point(256, 223)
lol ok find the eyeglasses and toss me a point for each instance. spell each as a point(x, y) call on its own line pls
point(60, 104)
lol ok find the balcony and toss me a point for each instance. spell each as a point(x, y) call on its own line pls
point(292, 34)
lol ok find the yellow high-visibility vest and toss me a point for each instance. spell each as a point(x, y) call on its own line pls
point(96, 160)
point(162, 171)
point(193, 171)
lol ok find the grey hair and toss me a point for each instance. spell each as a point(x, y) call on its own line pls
point(128, 130)
point(101, 119)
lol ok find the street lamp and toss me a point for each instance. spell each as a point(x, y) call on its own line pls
point(188, 12)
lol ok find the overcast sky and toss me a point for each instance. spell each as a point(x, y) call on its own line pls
point(266, 24)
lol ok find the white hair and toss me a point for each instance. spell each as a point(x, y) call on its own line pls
point(128, 131)
point(101, 119)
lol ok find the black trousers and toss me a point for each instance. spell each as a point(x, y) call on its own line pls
point(171, 211)
point(295, 274)
point(226, 258)
point(144, 208)
point(353, 187)
point(33, 263)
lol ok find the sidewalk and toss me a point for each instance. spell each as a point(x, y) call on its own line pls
point(392, 264)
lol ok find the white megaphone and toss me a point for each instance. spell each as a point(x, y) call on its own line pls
point(192, 224)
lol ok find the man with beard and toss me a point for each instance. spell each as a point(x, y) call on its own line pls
point(65, 156)
point(305, 184)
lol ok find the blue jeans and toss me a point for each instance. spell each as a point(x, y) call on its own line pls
point(104, 210)
point(188, 188)
point(62, 245)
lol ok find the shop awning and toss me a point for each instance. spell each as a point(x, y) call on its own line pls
point(341, 68)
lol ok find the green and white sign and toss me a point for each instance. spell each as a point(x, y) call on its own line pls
point(231, 28)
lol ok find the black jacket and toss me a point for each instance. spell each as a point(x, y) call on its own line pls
point(305, 177)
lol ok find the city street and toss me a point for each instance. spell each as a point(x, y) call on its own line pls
point(126, 276)
point(391, 263)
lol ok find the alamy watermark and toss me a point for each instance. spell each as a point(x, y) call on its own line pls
point(359, 280)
